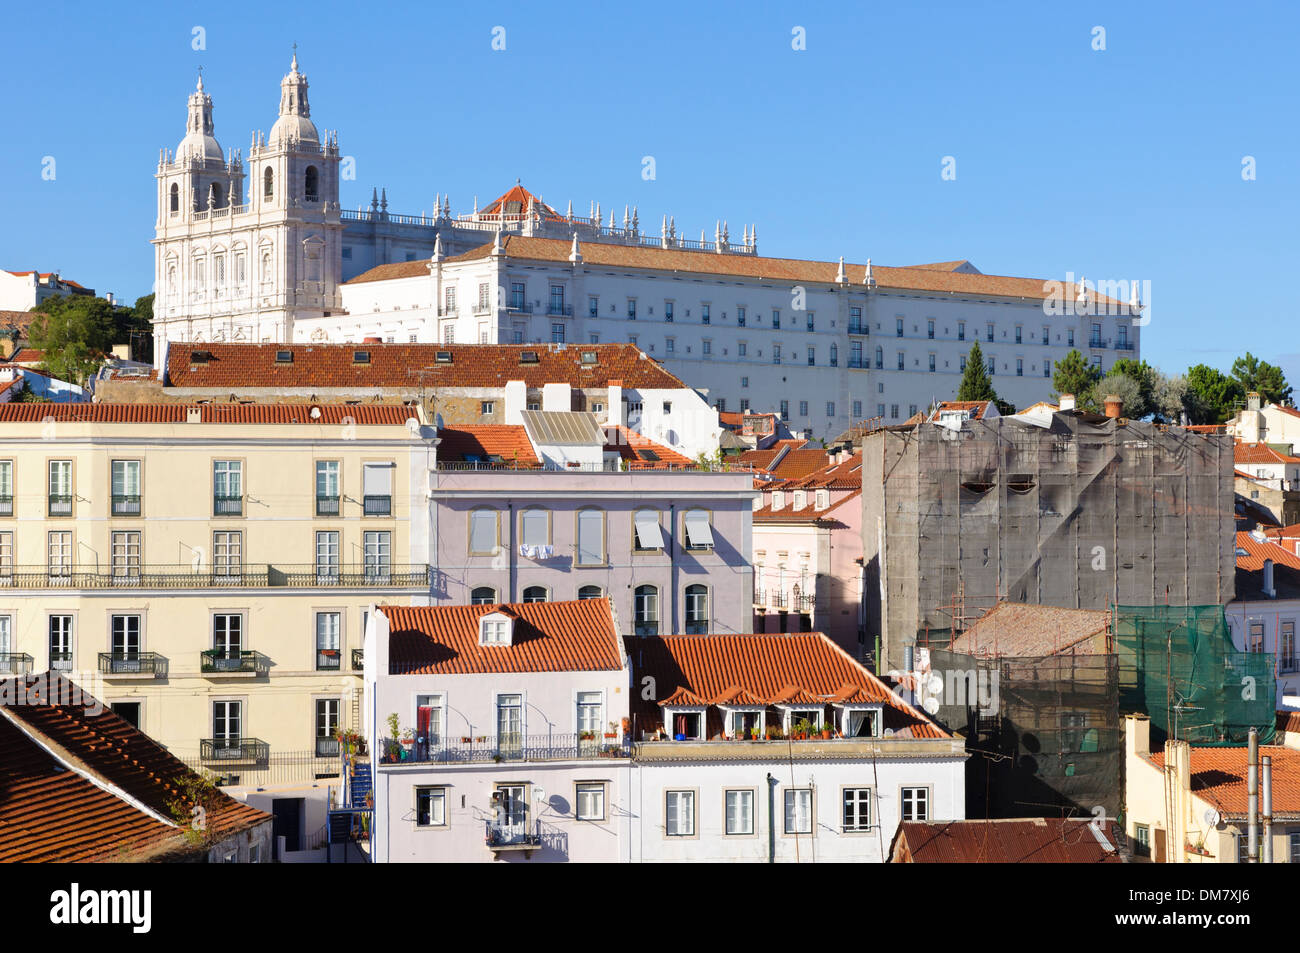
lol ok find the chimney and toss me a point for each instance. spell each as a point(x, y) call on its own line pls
point(516, 402)
point(614, 403)
point(1067, 402)
point(372, 340)
point(1253, 401)
point(1114, 406)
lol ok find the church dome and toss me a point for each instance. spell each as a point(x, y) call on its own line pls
point(295, 127)
point(199, 141)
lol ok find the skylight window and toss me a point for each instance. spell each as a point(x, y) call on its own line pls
point(360, 357)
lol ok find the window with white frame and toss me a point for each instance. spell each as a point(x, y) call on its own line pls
point(590, 592)
point(699, 535)
point(494, 629)
point(510, 719)
point(916, 804)
point(430, 719)
point(648, 534)
point(431, 807)
point(679, 813)
point(857, 810)
point(376, 553)
point(697, 609)
point(59, 561)
point(740, 811)
point(327, 555)
point(329, 627)
point(798, 811)
point(645, 610)
point(482, 596)
point(590, 713)
point(60, 642)
point(536, 594)
point(590, 800)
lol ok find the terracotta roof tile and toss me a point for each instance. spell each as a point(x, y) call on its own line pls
point(1257, 551)
point(1036, 840)
point(548, 637)
point(683, 697)
point(1259, 453)
point(490, 442)
point(781, 270)
point(412, 366)
point(765, 666)
point(642, 453)
point(391, 415)
point(1219, 777)
point(50, 812)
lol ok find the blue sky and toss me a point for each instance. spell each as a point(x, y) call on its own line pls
point(1122, 163)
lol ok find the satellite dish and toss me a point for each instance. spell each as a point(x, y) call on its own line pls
point(1213, 817)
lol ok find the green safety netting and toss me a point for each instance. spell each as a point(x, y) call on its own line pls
point(1177, 664)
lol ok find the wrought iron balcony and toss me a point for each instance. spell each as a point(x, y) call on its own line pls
point(1125, 345)
point(235, 576)
point(6, 506)
point(234, 750)
point(377, 505)
point(513, 835)
point(126, 504)
point(480, 748)
point(132, 663)
point(327, 505)
point(519, 306)
point(327, 747)
point(857, 362)
point(60, 505)
point(223, 662)
point(1095, 342)
point(560, 310)
point(61, 661)
point(223, 505)
point(15, 663)
point(328, 660)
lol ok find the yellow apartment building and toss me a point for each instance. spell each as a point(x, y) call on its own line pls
point(205, 569)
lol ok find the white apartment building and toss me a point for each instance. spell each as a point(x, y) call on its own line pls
point(24, 290)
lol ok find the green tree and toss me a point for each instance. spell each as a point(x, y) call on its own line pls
point(975, 382)
point(1265, 379)
point(1074, 375)
point(1212, 396)
point(74, 331)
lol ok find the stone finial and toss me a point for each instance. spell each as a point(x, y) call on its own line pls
point(575, 253)
point(496, 241)
point(869, 279)
point(437, 248)
point(840, 277)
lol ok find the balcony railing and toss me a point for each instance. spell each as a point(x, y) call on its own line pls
point(518, 835)
point(61, 661)
point(327, 505)
point(327, 747)
point(480, 748)
point(520, 307)
point(857, 328)
point(560, 310)
point(126, 504)
point(358, 659)
point(1124, 345)
point(223, 662)
point(857, 362)
point(328, 660)
point(228, 505)
point(1095, 342)
point(238, 576)
point(234, 750)
point(132, 663)
point(60, 505)
point(15, 663)
point(377, 505)
point(6, 506)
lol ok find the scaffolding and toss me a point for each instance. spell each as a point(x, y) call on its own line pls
point(1177, 665)
point(1075, 511)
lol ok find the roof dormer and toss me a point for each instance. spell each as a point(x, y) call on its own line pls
point(496, 628)
point(778, 499)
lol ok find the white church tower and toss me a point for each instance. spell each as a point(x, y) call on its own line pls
point(236, 267)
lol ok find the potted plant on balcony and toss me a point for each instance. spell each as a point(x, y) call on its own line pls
point(613, 731)
point(394, 752)
point(773, 732)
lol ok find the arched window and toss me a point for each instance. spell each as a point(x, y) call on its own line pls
point(590, 592)
point(268, 183)
point(311, 184)
point(645, 610)
point(175, 202)
point(535, 594)
point(482, 596)
point(697, 610)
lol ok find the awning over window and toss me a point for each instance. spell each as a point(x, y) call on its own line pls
point(648, 533)
point(698, 532)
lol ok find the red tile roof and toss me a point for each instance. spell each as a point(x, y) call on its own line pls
point(1014, 629)
point(17, 319)
point(50, 812)
point(781, 270)
point(768, 666)
point(1257, 552)
point(1034, 840)
point(1219, 777)
point(364, 415)
point(808, 513)
point(636, 450)
point(509, 442)
point(413, 366)
point(800, 462)
point(548, 637)
point(517, 193)
point(1259, 453)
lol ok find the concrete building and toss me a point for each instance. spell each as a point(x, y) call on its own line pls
point(807, 554)
point(1267, 423)
point(709, 785)
point(1269, 477)
point(211, 564)
point(1264, 614)
point(1063, 509)
point(21, 291)
point(1189, 805)
point(517, 724)
point(517, 517)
